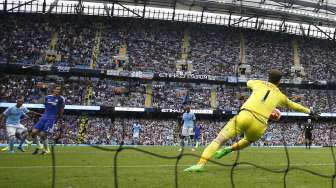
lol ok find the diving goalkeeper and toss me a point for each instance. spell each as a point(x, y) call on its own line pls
point(251, 119)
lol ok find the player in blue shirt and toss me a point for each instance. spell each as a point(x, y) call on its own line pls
point(54, 109)
point(198, 130)
point(136, 132)
point(14, 127)
point(189, 121)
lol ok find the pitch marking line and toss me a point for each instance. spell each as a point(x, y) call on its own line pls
point(140, 166)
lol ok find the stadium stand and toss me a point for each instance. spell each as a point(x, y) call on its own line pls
point(155, 46)
point(165, 95)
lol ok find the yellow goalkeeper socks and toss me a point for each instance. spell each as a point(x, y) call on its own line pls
point(208, 153)
point(241, 144)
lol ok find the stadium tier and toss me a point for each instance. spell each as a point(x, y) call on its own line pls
point(159, 46)
point(163, 95)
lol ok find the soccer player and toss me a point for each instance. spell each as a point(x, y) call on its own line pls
point(251, 120)
point(308, 134)
point(54, 109)
point(189, 121)
point(136, 132)
point(198, 130)
point(13, 124)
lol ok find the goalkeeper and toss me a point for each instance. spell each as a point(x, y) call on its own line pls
point(251, 120)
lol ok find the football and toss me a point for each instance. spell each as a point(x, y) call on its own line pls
point(275, 115)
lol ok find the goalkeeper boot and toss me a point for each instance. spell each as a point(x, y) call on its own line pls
point(195, 168)
point(222, 152)
point(5, 149)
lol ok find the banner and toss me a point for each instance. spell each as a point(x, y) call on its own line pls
point(41, 106)
point(129, 109)
point(181, 76)
point(112, 72)
point(196, 111)
point(147, 75)
point(124, 74)
point(63, 69)
point(45, 67)
point(139, 74)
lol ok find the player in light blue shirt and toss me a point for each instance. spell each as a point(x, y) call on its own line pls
point(136, 132)
point(14, 127)
point(189, 121)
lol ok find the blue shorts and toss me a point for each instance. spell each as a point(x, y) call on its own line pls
point(197, 136)
point(45, 125)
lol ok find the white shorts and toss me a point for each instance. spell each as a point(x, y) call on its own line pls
point(187, 131)
point(13, 129)
point(136, 135)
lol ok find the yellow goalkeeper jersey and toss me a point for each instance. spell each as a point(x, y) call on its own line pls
point(266, 97)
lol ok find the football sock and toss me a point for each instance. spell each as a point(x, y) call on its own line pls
point(23, 139)
point(11, 143)
point(208, 152)
point(45, 144)
point(241, 144)
point(37, 142)
point(192, 142)
point(182, 143)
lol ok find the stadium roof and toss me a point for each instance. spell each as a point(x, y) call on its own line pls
point(316, 18)
point(319, 12)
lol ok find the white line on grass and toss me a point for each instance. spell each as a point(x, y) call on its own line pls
point(143, 166)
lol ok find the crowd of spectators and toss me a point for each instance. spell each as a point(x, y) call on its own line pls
point(318, 59)
point(106, 92)
point(267, 50)
point(111, 93)
point(163, 131)
point(231, 98)
point(292, 133)
point(24, 39)
point(153, 45)
point(214, 50)
point(315, 98)
point(177, 95)
point(75, 42)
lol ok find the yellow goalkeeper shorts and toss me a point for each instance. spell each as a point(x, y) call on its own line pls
point(244, 122)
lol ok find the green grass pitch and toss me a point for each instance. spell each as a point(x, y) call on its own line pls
point(90, 167)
